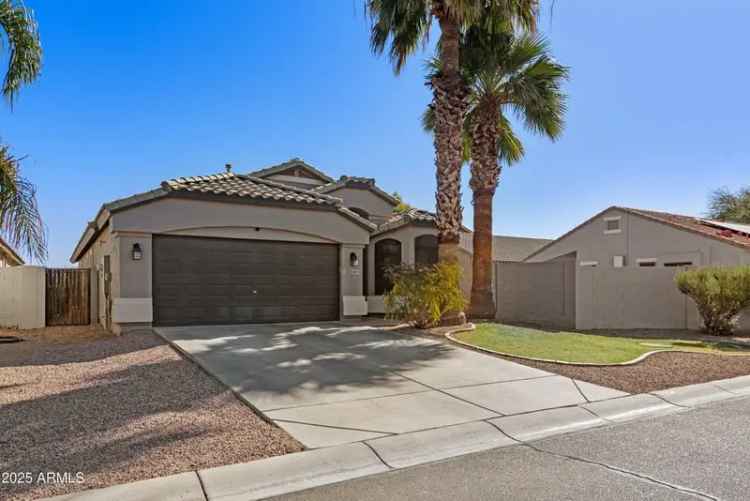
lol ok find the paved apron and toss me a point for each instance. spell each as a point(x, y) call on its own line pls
point(333, 383)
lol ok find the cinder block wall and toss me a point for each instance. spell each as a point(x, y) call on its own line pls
point(536, 293)
point(22, 297)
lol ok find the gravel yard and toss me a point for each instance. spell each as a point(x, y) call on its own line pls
point(658, 372)
point(116, 409)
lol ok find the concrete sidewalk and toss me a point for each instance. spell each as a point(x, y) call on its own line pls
point(314, 468)
point(335, 383)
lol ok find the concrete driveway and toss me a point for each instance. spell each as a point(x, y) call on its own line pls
point(337, 382)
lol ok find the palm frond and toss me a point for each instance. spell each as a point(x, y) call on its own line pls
point(428, 119)
point(24, 47)
point(20, 221)
point(536, 96)
point(511, 148)
point(405, 25)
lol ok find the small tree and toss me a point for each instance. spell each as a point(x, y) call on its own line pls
point(421, 295)
point(402, 206)
point(725, 205)
point(720, 293)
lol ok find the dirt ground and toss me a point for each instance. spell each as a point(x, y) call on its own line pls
point(658, 372)
point(116, 409)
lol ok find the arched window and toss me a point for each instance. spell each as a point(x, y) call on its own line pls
point(360, 212)
point(425, 250)
point(387, 254)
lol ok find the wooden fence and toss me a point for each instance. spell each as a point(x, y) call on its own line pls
point(68, 294)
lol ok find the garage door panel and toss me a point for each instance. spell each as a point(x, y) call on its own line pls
point(208, 280)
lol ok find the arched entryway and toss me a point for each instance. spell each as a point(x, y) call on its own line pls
point(425, 250)
point(387, 254)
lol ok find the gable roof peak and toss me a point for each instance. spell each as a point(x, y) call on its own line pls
point(291, 163)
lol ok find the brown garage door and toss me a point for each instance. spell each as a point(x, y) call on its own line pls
point(222, 281)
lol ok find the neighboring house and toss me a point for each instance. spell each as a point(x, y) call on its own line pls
point(286, 243)
point(8, 257)
point(616, 270)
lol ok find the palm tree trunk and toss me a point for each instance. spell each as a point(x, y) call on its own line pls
point(449, 99)
point(450, 102)
point(485, 172)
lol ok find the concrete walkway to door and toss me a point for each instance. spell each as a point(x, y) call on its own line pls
point(332, 383)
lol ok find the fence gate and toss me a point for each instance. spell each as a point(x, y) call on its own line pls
point(67, 296)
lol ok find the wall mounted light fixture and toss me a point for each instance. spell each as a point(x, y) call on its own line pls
point(137, 253)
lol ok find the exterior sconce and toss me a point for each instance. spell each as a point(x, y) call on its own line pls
point(353, 260)
point(137, 253)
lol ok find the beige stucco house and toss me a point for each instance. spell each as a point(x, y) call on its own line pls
point(8, 257)
point(616, 270)
point(286, 243)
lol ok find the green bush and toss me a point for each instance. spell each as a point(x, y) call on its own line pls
point(422, 295)
point(720, 293)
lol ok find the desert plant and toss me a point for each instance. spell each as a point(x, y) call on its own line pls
point(720, 293)
point(421, 295)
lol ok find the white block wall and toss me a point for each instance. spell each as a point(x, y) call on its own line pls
point(22, 296)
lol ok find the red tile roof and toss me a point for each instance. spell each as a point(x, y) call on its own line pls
point(703, 227)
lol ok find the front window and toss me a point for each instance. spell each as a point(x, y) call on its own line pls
point(425, 250)
point(387, 254)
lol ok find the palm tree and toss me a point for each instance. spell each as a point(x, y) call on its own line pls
point(20, 221)
point(507, 74)
point(406, 25)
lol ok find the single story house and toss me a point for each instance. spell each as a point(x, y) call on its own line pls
point(281, 244)
point(8, 256)
point(616, 271)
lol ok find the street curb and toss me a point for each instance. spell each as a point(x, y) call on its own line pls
point(290, 473)
point(314, 468)
point(179, 487)
point(426, 446)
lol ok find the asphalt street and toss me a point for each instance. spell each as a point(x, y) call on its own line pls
point(701, 453)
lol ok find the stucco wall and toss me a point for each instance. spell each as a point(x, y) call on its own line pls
point(637, 297)
point(536, 293)
point(366, 200)
point(203, 218)
point(104, 245)
point(407, 235)
point(641, 238)
point(634, 298)
point(22, 297)
point(132, 280)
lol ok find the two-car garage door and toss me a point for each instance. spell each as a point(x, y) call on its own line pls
point(220, 281)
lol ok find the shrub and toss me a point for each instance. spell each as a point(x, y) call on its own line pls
point(421, 295)
point(720, 293)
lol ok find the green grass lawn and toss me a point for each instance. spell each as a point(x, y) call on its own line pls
point(575, 346)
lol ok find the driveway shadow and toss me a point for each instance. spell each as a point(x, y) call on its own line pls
point(302, 363)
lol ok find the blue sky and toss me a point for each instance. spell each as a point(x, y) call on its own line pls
point(135, 93)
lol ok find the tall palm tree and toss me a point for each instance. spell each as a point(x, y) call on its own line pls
point(506, 74)
point(20, 221)
point(405, 24)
